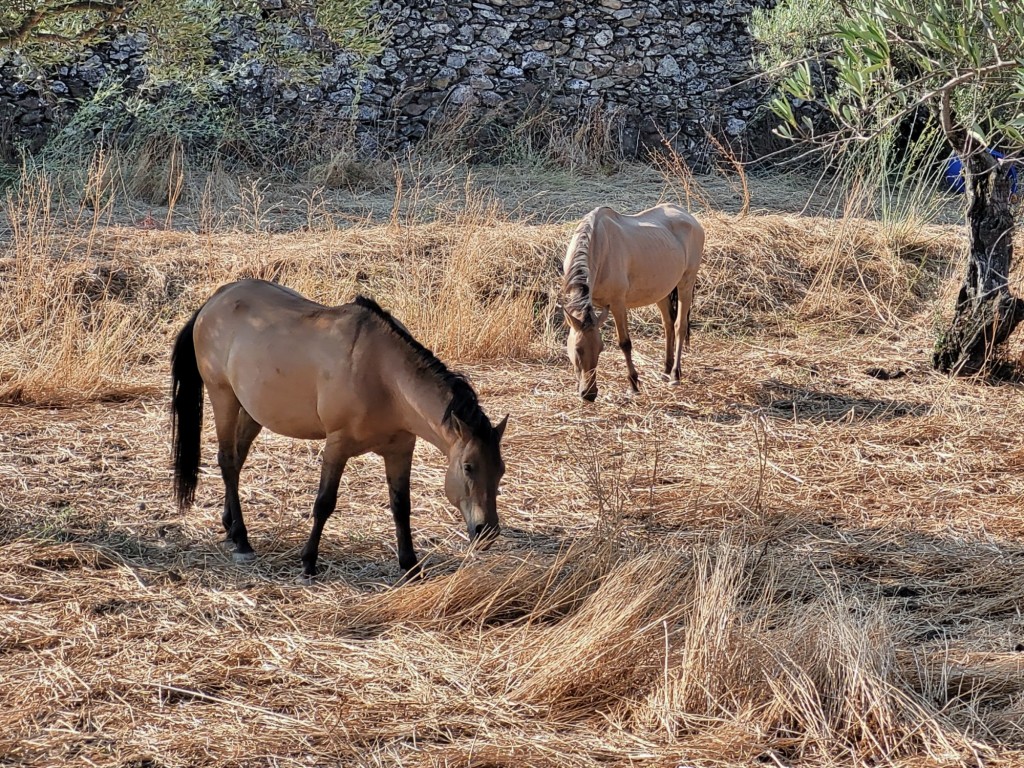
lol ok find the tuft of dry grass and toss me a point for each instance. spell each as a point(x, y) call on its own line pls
point(73, 330)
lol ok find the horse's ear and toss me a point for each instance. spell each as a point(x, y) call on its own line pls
point(500, 429)
point(577, 325)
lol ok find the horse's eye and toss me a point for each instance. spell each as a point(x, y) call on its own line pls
point(467, 468)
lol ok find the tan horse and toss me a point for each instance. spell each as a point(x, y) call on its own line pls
point(617, 262)
point(351, 374)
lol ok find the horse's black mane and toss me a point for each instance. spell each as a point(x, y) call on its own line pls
point(464, 402)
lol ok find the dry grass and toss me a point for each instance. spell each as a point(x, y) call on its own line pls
point(784, 561)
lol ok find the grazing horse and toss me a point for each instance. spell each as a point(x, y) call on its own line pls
point(352, 374)
point(616, 262)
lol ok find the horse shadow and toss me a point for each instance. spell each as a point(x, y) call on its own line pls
point(168, 555)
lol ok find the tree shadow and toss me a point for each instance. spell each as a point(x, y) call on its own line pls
point(786, 401)
point(1003, 372)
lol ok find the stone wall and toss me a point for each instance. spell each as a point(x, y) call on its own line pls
point(33, 102)
point(642, 69)
point(673, 68)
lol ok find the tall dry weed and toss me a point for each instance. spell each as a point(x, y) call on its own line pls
point(469, 294)
point(468, 279)
point(67, 338)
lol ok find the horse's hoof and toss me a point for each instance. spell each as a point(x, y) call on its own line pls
point(243, 557)
point(305, 580)
point(674, 383)
point(412, 575)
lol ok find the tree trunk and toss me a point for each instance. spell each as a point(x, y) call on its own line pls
point(986, 312)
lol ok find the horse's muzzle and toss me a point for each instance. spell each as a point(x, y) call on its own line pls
point(482, 536)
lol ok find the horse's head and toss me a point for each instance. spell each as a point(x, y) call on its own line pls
point(471, 484)
point(584, 345)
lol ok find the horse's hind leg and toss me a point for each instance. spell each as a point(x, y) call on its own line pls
point(621, 317)
point(334, 461)
point(226, 412)
point(398, 467)
point(683, 323)
point(245, 432)
point(665, 306)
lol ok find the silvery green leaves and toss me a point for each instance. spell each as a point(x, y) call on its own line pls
point(882, 59)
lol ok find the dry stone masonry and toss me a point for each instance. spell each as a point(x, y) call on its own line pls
point(645, 68)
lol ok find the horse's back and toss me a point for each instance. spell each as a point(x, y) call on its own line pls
point(645, 255)
point(682, 225)
point(251, 313)
point(259, 296)
point(665, 228)
point(687, 230)
point(277, 352)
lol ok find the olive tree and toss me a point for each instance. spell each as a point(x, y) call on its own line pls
point(872, 64)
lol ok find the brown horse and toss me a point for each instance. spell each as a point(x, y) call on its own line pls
point(616, 262)
point(351, 374)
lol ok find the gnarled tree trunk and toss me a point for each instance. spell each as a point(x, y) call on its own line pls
point(986, 312)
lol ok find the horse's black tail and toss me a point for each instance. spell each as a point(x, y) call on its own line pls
point(186, 414)
point(673, 304)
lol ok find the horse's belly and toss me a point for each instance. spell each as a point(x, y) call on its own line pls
point(291, 425)
point(650, 289)
point(281, 402)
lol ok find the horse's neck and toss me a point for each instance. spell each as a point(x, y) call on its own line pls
point(422, 403)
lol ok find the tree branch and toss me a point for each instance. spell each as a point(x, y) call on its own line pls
point(955, 134)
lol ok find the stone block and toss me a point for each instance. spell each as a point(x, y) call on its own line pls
point(497, 35)
point(535, 59)
point(492, 99)
point(668, 67)
point(487, 54)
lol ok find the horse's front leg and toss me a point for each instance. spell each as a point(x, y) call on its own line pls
point(621, 316)
point(398, 467)
point(335, 457)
